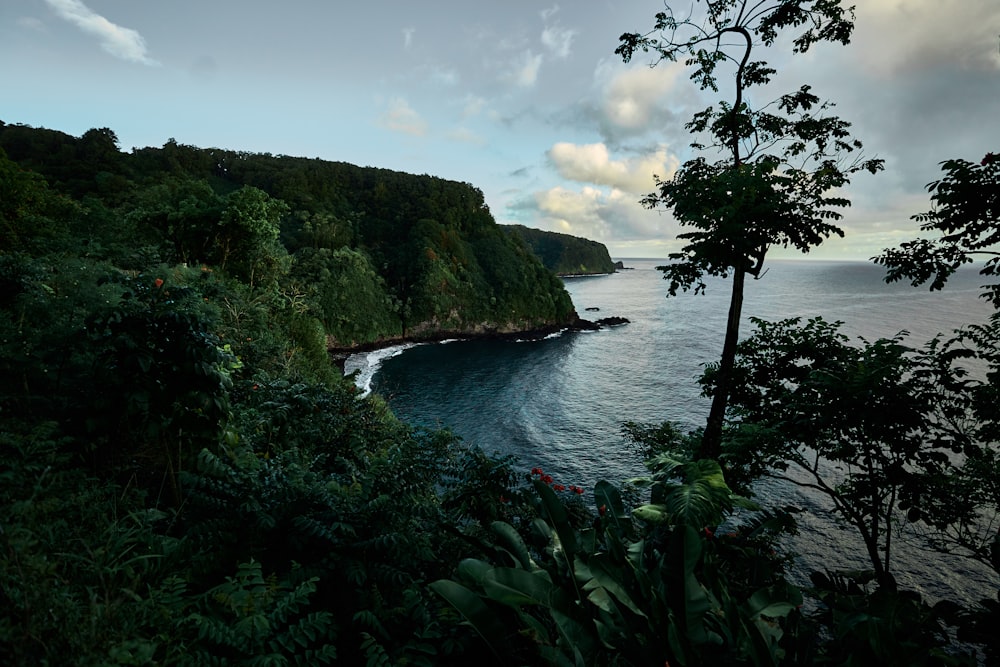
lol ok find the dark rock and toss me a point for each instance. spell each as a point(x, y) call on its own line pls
point(593, 308)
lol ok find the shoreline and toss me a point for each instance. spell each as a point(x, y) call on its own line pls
point(376, 352)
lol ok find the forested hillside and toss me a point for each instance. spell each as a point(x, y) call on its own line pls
point(563, 253)
point(372, 255)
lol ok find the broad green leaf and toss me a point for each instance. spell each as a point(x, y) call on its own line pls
point(474, 611)
point(472, 570)
point(514, 587)
point(511, 541)
point(557, 514)
point(652, 513)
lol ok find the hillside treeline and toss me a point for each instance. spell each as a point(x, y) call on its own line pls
point(371, 254)
point(565, 254)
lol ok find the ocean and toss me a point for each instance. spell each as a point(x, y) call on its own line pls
point(559, 403)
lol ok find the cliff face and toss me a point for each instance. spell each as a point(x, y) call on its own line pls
point(372, 254)
point(565, 254)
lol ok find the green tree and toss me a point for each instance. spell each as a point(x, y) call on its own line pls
point(869, 426)
point(966, 216)
point(247, 235)
point(774, 165)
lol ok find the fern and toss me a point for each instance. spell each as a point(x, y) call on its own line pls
point(374, 654)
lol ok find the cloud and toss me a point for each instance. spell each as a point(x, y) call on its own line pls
point(123, 43)
point(897, 36)
point(592, 163)
point(523, 71)
point(558, 40)
point(408, 37)
point(631, 101)
point(550, 12)
point(594, 213)
point(400, 117)
point(633, 97)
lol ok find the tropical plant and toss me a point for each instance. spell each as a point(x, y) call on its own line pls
point(648, 586)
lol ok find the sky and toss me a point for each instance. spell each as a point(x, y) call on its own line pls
point(525, 100)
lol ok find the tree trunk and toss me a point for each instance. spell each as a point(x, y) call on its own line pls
point(711, 442)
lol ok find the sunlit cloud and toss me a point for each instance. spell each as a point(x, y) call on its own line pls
point(631, 99)
point(592, 163)
point(123, 43)
point(593, 213)
point(401, 117)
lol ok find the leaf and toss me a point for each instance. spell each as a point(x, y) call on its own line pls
point(512, 543)
point(557, 514)
point(474, 611)
point(514, 587)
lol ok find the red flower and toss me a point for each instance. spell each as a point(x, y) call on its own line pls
point(536, 471)
point(602, 509)
point(577, 490)
point(158, 282)
point(547, 479)
point(558, 487)
point(708, 532)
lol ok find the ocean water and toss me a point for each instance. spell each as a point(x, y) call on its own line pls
point(559, 403)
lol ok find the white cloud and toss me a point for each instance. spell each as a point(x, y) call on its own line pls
point(408, 37)
point(120, 42)
point(558, 40)
point(592, 163)
point(596, 214)
point(632, 97)
point(524, 69)
point(401, 117)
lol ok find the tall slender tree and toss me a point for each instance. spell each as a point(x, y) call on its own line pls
point(764, 174)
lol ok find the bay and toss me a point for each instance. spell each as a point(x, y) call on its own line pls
point(559, 403)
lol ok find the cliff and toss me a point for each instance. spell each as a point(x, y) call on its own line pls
point(565, 254)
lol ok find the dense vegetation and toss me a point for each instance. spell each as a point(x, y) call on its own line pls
point(186, 478)
point(371, 254)
point(565, 254)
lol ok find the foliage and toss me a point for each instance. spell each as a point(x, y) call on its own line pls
point(565, 254)
point(643, 587)
point(867, 426)
point(779, 161)
point(966, 214)
point(347, 294)
point(187, 478)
